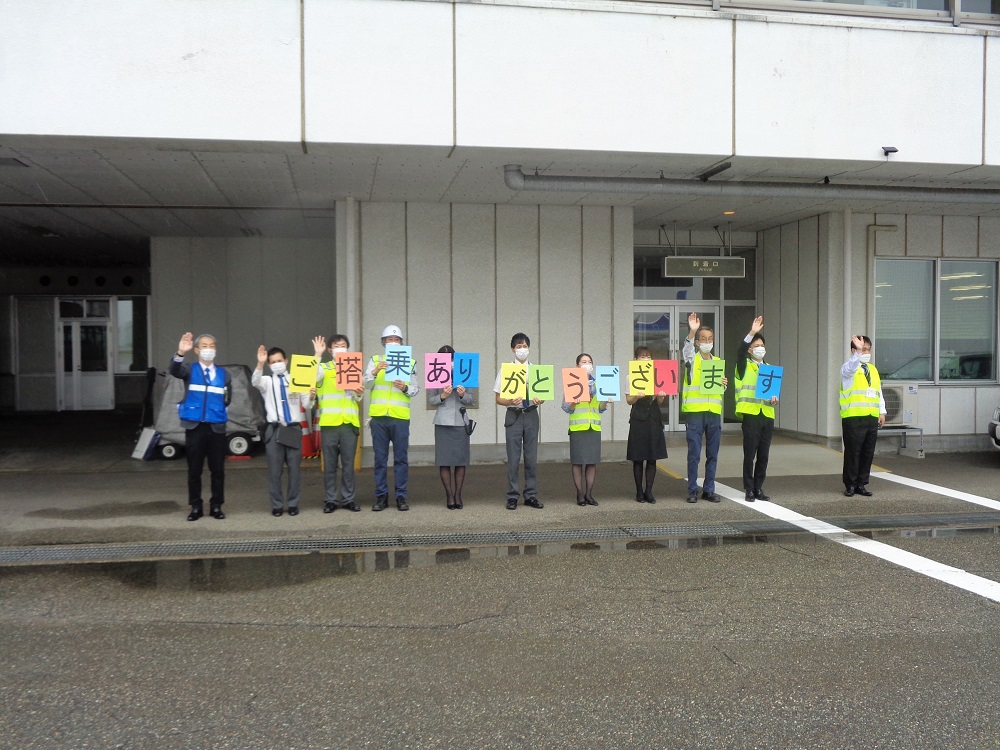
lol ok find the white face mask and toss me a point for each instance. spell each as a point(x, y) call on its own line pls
point(521, 354)
point(206, 355)
point(589, 368)
point(866, 358)
point(278, 368)
point(706, 348)
point(758, 352)
point(338, 349)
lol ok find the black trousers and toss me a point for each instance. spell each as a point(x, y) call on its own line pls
point(201, 443)
point(757, 432)
point(860, 434)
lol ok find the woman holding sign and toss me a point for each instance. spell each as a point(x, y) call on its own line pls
point(584, 426)
point(451, 440)
point(646, 443)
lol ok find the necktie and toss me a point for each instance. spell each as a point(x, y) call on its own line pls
point(284, 401)
point(208, 376)
point(864, 369)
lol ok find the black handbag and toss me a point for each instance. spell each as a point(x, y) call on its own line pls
point(470, 424)
point(289, 436)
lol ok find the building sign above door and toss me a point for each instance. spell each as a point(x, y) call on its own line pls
point(681, 266)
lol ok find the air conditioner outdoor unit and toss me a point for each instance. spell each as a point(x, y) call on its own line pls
point(901, 405)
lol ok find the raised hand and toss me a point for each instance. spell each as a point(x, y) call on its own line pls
point(859, 343)
point(319, 346)
point(694, 322)
point(758, 324)
point(186, 344)
point(262, 355)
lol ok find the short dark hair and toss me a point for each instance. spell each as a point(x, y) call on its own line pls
point(757, 337)
point(519, 338)
point(580, 356)
point(863, 338)
point(338, 337)
point(276, 350)
point(446, 349)
point(702, 330)
point(641, 351)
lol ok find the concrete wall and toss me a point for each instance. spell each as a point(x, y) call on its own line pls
point(804, 301)
point(545, 75)
point(247, 292)
point(473, 275)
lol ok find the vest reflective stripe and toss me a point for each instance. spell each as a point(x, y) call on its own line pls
point(586, 416)
point(388, 401)
point(204, 402)
point(694, 399)
point(335, 407)
point(746, 403)
point(856, 402)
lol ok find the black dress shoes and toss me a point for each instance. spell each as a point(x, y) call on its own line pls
point(750, 497)
point(532, 502)
point(512, 504)
point(293, 511)
point(759, 494)
point(196, 513)
point(579, 501)
point(353, 507)
point(588, 500)
point(640, 497)
point(711, 497)
point(329, 507)
point(693, 497)
point(849, 492)
point(648, 494)
point(277, 512)
point(216, 512)
point(863, 491)
point(458, 502)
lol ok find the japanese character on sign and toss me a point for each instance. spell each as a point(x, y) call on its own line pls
point(349, 372)
point(514, 381)
point(437, 370)
point(466, 370)
point(399, 362)
point(609, 386)
point(302, 373)
point(576, 387)
point(640, 381)
point(769, 382)
point(541, 383)
point(665, 376)
point(712, 372)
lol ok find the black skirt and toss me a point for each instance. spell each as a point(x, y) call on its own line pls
point(646, 441)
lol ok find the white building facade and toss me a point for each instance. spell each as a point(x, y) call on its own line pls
point(271, 170)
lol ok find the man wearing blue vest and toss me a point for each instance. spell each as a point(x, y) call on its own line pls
point(702, 411)
point(862, 412)
point(390, 422)
point(203, 416)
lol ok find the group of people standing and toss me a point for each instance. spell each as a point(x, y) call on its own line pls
point(208, 392)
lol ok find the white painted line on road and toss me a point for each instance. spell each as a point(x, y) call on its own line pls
point(947, 492)
point(946, 573)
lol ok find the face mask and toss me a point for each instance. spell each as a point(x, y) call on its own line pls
point(758, 352)
point(338, 349)
point(589, 368)
point(278, 368)
point(866, 358)
point(706, 348)
point(521, 354)
point(206, 355)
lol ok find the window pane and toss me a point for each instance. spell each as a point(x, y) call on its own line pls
point(133, 346)
point(71, 308)
point(745, 288)
point(98, 308)
point(938, 5)
point(967, 345)
point(649, 282)
point(904, 319)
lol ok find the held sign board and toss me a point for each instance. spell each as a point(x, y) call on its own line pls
point(684, 266)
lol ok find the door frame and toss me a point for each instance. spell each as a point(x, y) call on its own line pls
point(69, 384)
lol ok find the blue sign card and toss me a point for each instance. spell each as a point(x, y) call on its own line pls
point(769, 382)
point(608, 381)
point(465, 371)
point(399, 362)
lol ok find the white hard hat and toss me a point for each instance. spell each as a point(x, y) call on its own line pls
point(392, 331)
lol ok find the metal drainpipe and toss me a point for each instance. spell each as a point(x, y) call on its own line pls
point(516, 179)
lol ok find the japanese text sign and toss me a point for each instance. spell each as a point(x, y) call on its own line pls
point(769, 382)
point(541, 383)
point(398, 362)
point(437, 370)
point(609, 384)
point(302, 373)
point(575, 385)
point(349, 372)
point(466, 370)
point(640, 377)
point(665, 376)
point(514, 381)
point(712, 372)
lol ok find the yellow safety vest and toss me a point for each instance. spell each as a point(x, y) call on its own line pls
point(745, 389)
point(694, 399)
point(388, 401)
point(335, 407)
point(586, 416)
point(856, 402)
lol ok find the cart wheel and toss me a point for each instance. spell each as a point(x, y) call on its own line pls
point(239, 444)
point(169, 451)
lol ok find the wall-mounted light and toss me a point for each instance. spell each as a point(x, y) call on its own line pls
point(889, 150)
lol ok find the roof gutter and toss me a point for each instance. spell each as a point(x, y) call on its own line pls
point(516, 179)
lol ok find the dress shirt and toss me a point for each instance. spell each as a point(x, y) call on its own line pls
point(270, 388)
point(496, 386)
